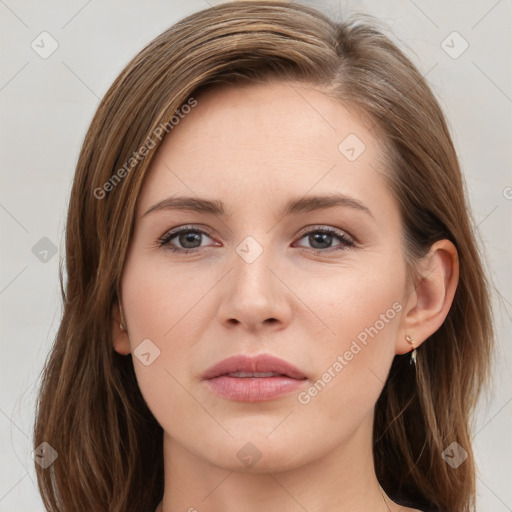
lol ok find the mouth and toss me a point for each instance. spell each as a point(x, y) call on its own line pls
point(245, 375)
point(253, 378)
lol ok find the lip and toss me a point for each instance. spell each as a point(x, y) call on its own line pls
point(260, 363)
point(253, 389)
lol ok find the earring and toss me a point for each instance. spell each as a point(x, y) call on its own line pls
point(121, 326)
point(413, 354)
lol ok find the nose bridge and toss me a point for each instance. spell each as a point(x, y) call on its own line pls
point(254, 293)
point(251, 272)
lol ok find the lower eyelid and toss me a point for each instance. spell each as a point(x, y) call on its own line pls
point(346, 241)
point(165, 240)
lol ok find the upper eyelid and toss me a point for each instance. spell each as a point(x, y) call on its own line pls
point(323, 227)
point(170, 234)
point(180, 229)
point(208, 232)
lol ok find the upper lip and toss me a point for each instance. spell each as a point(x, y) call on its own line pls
point(258, 363)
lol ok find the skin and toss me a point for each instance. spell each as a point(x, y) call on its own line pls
point(254, 148)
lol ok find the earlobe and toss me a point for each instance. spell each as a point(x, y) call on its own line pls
point(433, 294)
point(120, 338)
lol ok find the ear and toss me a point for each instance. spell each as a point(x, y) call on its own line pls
point(120, 338)
point(428, 304)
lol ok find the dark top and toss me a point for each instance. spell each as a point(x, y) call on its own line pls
point(405, 501)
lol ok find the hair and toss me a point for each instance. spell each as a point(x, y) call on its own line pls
point(90, 408)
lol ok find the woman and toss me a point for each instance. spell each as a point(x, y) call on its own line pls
point(274, 296)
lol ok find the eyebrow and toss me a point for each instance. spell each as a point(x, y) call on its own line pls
point(294, 206)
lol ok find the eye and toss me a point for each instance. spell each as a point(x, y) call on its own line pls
point(321, 239)
point(188, 238)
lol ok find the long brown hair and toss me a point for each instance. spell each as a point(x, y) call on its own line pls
point(90, 409)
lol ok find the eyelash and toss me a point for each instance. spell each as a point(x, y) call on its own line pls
point(346, 241)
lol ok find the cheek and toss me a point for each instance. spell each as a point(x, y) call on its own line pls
point(159, 301)
point(361, 315)
point(352, 366)
point(361, 301)
point(164, 311)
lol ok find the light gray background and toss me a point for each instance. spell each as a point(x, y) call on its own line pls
point(46, 106)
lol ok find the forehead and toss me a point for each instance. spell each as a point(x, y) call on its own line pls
point(255, 144)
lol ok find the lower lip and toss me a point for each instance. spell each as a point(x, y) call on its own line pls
point(253, 389)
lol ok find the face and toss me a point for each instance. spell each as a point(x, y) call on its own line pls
point(321, 288)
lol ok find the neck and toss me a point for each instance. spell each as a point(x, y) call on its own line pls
point(342, 479)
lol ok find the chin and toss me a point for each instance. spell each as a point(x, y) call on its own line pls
point(257, 454)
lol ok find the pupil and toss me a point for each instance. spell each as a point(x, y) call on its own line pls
point(324, 238)
point(189, 238)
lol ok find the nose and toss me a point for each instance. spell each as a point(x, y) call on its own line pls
point(254, 295)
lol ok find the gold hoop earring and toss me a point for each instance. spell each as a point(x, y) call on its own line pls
point(413, 353)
